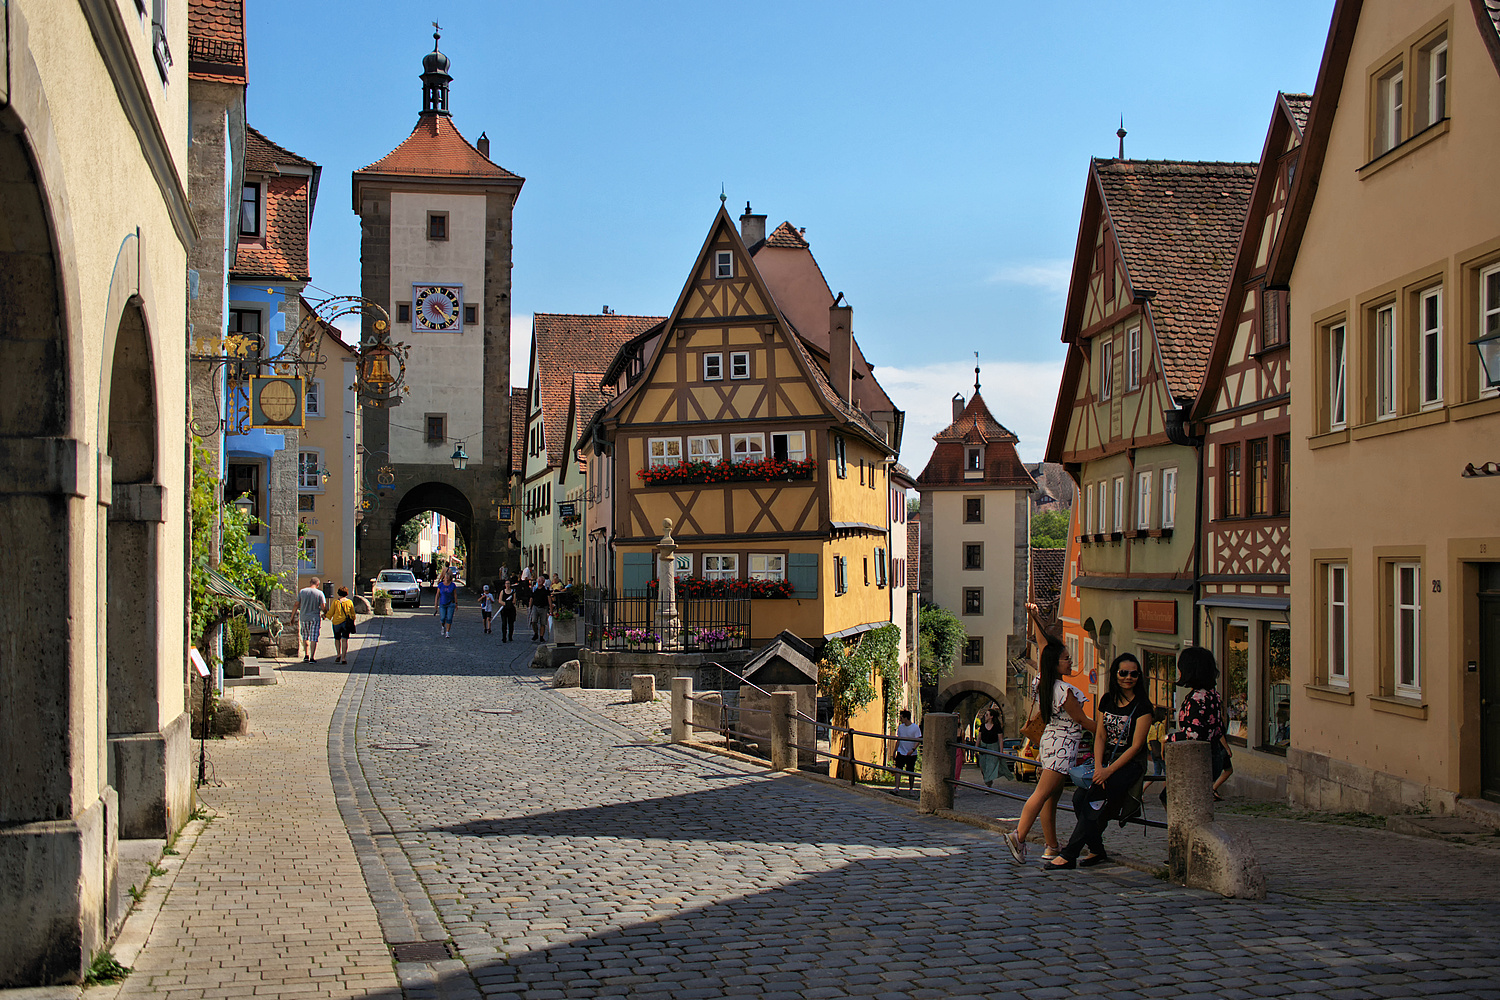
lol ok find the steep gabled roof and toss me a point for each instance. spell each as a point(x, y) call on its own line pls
point(787, 237)
point(587, 400)
point(1284, 126)
point(565, 344)
point(1178, 226)
point(436, 148)
point(977, 419)
point(262, 156)
point(216, 40)
point(1046, 581)
point(518, 407)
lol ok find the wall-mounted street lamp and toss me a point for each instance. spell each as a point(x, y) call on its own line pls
point(1488, 347)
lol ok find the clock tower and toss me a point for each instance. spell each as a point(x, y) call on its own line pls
point(435, 251)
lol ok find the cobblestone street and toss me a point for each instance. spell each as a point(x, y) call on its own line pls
point(563, 855)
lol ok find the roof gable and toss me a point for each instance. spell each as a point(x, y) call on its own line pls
point(564, 344)
point(435, 151)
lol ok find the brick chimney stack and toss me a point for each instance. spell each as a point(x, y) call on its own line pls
point(958, 405)
point(841, 348)
point(483, 145)
point(752, 227)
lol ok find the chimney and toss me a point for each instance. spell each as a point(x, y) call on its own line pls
point(958, 405)
point(484, 145)
point(841, 348)
point(752, 227)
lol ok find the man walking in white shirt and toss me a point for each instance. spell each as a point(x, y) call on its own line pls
point(310, 604)
point(906, 751)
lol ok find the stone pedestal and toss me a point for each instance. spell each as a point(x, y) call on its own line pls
point(1201, 854)
point(643, 687)
point(938, 730)
point(682, 707)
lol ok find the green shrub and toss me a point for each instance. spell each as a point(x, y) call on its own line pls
point(236, 637)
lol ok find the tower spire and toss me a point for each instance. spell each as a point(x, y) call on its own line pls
point(976, 373)
point(435, 78)
point(1121, 134)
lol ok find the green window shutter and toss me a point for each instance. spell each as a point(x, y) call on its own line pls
point(639, 570)
point(802, 573)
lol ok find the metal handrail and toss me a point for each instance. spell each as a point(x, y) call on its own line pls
point(1003, 755)
point(959, 782)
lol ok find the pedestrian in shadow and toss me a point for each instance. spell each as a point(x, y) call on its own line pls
point(487, 608)
point(1201, 715)
point(1060, 705)
point(910, 736)
point(541, 605)
point(507, 612)
point(991, 733)
point(1124, 720)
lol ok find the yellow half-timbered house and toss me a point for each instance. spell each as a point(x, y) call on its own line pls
point(751, 421)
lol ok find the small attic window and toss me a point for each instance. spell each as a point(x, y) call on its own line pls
point(971, 460)
point(723, 264)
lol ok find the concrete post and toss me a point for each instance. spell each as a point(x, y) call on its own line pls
point(682, 710)
point(783, 707)
point(642, 687)
point(1190, 799)
point(938, 730)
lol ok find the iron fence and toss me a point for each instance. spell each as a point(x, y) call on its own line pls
point(629, 624)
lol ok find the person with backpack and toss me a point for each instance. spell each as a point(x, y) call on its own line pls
point(1124, 720)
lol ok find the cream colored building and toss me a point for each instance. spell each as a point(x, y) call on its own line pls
point(976, 549)
point(93, 205)
point(1391, 250)
point(328, 468)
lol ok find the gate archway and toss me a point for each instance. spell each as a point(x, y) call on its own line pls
point(439, 498)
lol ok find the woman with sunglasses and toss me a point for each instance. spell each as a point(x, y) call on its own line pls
point(1125, 715)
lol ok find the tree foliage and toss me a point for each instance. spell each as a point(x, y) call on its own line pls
point(941, 634)
point(237, 562)
point(410, 531)
point(847, 675)
point(1049, 529)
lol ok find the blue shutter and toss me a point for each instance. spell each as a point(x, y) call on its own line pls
point(802, 573)
point(638, 570)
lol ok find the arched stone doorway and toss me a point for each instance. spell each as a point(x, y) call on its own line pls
point(966, 699)
point(439, 498)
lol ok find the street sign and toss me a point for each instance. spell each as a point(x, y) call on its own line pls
point(567, 508)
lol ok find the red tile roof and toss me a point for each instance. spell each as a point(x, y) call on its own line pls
point(262, 156)
point(216, 40)
point(436, 148)
point(1178, 225)
point(568, 343)
point(1046, 581)
point(975, 426)
point(976, 417)
point(517, 429)
point(1300, 105)
point(788, 237)
point(1487, 16)
point(281, 252)
point(588, 399)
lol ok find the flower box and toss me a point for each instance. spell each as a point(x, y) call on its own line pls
point(767, 470)
point(698, 587)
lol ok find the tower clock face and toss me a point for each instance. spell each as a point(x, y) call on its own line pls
point(437, 308)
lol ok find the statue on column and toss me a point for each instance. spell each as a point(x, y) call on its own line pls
point(666, 606)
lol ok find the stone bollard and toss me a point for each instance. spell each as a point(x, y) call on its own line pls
point(569, 675)
point(783, 708)
point(1201, 854)
point(642, 687)
point(938, 730)
point(682, 709)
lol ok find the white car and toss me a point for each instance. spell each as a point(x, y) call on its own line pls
point(402, 585)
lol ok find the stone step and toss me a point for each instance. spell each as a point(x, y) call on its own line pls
point(1481, 811)
point(1454, 829)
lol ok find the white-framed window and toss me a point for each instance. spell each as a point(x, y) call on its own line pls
point(1489, 323)
point(1337, 623)
point(1406, 630)
point(789, 446)
point(665, 451)
point(723, 263)
point(713, 367)
point(1387, 366)
point(1071, 641)
point(1433, 65)
point(1390, 99)
point(1133, 358)
point(1430, 316)
point(765, 566)
point(1118, 521)
point(739, 364)
point(312, 397)
point(721, 566)
point(1106, 369)
point(747, 447)
point(973, 460)
point(310, 470)
point(251, 210)
point(1088, 509)
point(1338, 364)
point(706, 448)
point(309, 552)
point(1168, 497)
point(682, 564)
point(1143, 501)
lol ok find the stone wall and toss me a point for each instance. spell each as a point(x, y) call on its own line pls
point(1317, 781)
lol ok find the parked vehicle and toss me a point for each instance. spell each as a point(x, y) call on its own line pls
point(1022, 748)
point(402, 585)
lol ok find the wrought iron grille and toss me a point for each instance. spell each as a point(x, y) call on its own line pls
point(629, 624)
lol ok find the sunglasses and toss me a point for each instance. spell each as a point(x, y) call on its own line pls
point(1127, 673)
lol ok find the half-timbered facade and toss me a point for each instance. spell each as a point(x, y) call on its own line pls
point(1155, 249)
point(1243, 412)
point(748, 436)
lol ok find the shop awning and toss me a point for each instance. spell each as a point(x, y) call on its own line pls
point(1248, 601)
point(255, 612)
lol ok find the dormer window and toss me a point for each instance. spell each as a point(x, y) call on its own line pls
point(972, 460)
point(250, 210)
point(723, 264)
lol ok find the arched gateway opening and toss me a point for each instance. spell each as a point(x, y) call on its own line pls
point(437, 498)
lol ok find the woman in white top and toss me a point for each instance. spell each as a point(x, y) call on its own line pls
point(1060, 705)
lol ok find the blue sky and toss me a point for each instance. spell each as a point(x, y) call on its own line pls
point(935, 154)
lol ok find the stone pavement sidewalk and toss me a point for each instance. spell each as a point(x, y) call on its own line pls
point(269, 900)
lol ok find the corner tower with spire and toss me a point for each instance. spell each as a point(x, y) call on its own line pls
point(435, 252)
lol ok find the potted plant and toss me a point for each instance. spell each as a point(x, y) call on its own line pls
point(564, 627)
point(380, 602)
point(236, 645)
